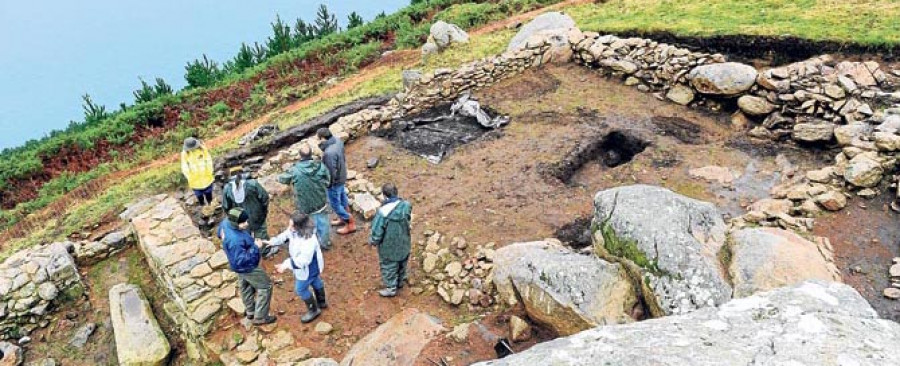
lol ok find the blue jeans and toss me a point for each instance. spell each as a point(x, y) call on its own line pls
point(337, 198)
point(323, 229)
point(302, 287)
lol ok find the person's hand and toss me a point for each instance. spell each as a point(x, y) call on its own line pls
point(281, 268)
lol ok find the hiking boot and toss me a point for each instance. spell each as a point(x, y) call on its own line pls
point(312, 310)
point(269, 319)
point(388, 292)
point(320, 298)
point(248, 316)
point(349, 228)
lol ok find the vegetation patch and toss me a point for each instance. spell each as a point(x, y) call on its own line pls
point(628, 249)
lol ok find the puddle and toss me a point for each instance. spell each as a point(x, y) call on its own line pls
point(434, 134)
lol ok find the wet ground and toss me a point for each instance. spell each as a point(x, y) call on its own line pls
point(865, 237)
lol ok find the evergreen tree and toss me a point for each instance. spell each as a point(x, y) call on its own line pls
point(303, 32)
point(242, 60)
point(202, 73)
point(326, 23)
point(381, 15)
point(354, 20)
point(144, 94)
point(93, 112)
point(281, 40)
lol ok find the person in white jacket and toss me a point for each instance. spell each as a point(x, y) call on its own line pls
point(306, 260)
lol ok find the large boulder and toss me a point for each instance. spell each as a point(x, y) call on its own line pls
point(444, 34)
point(668, 241)
point(566, 291)
point(397, 342)
point(814, 323)
point(139, 339)
point(728, 78)
point(548, 25)
point(764, 259)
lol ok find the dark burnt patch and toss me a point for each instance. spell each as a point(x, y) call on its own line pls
point(528, 85)
point(771, 50)
point(434, 133)
point(680, 128)
point(576, 234)
point(611, 148)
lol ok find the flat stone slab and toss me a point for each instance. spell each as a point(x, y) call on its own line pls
point(397, 342)
point(139, 339)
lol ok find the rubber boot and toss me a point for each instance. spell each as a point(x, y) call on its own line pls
point(312, 310)
point(350, 227)
point(320, 298)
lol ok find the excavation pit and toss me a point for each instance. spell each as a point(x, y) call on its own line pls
point(435, 133)
point(611, 149)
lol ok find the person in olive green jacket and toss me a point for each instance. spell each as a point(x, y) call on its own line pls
point(390, 233)
point(246, 193)
point(310, 179)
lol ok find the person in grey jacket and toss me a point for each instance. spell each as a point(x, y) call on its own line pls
point(334, 159)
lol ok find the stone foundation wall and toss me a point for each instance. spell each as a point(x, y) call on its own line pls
point(191, 268)
point(32, 283)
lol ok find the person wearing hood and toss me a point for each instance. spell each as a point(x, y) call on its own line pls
point(309, 179)
point(244, 192)
point(197, 167)
point(306, 261)
point(333, 157)
point(243, 255)
point(390, 233)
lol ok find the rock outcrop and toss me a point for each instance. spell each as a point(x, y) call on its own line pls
point(553, 28)
point(397, 342)
point(442, 35)
point(668, 242)
point(566, 291)
point(764, 259)
point(139, 339)
point(814, 323)
point(32, 283)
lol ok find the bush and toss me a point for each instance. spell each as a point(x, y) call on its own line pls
point(202, 73)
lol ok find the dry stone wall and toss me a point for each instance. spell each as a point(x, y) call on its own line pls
point(32, 283)
point(191, 268)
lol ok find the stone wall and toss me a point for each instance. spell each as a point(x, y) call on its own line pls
point(32, 283)
point(191, 268)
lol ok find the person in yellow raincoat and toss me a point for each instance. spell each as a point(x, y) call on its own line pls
point(197, 167)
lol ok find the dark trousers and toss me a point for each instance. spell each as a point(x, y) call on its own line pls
point(256, 292)
point(393, 273)
point(204, 196)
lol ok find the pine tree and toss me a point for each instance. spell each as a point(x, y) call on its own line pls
point(202, 73)
point(281, 40)
point(303, 32)
point(354, 20)
point(92, 112)
point(326, 23)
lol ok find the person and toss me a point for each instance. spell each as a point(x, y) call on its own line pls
point(390, 233)
point(306, 260)
point(197, 167)
point(244, 192)
point(333, 157)
point(243, 258)
point(310, 179)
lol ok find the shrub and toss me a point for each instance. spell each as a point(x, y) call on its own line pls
point(202, 73)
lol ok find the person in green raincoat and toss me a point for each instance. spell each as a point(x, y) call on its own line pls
point(246, 193)
point(390, 233)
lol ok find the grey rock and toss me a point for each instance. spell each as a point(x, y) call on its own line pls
point(814, 323)
point(729, 78)
point(411, 78)
point(758, 260)
point(755, 106)
point(672, 240)
point(82, 335)
point(846, 134)
point(864, 170)
point(566, 291)
point(891, 124)
point(680, 94)
point(813, 132)
point(551, 23)
point(430, 48)
point(10, 354)
point(47, 291)
point(42, 362)
point(372, 163)
point(445, 33)
point(139, 339)
point(116, 239)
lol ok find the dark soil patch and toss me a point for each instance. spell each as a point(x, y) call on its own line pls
point(611, 148)
point(576, 234)
point(864, 253)
point(774, 50)
point(544, 83)
point(433, 134)
point(681, 129)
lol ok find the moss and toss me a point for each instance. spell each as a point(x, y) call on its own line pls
point(628, 249)
point(725, 256)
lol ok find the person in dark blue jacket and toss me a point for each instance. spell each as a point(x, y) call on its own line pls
point(243, 258)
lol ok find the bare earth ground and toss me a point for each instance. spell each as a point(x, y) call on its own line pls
point(494, 190)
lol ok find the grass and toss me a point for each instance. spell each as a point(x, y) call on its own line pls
point(84, 214)
point(866, 22)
